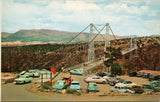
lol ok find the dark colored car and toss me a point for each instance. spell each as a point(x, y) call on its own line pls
point(102, 74)
point(154, 77)
point(146, 75)
point(137, 89)
point(140, 74)
point(132, 74)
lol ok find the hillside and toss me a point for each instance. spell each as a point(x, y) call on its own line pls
point(44, 35)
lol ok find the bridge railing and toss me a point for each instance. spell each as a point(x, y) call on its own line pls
point(82, 64)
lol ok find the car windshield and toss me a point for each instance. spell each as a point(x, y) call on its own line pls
point(124, 88)
point(23, 76)
point(60, 83)
point(92, 85)
point(127, 82)
point(148, 86)
point(75, 83)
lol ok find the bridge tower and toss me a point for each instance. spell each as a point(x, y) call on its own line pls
point(107, 37)
point(91, 53)
point(133, 44)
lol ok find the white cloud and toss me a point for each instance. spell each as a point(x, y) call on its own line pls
point(72, 15)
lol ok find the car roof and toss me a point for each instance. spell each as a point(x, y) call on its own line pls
point(120, 85)
point(75, 81)
point(61, 81)
point(23, 75)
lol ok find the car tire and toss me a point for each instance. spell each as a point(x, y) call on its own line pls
point(24, 82)
point(103, 82)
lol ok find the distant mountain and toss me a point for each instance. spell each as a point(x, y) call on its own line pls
point(44, 35)
point(155, 35)
point(131, 36)
point(5, 34)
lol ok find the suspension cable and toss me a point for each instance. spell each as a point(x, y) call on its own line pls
point(113, 33)
point(97, 34)
point(98, 31)
point(78, 34)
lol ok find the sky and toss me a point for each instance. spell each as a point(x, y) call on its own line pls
point(125, 17)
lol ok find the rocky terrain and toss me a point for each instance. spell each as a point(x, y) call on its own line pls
point(18, 58)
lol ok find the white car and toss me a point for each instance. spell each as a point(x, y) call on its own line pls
point(127, 83)
point(121, 88)
point(96, 79)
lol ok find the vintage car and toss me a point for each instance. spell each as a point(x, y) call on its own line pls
point(96, 79)
point(127, 83)
point(92, 87)
point(156, 85)
point(132, 74)
point(76, 72)
point(108, 76)
point(137, 89)
point(59, 85)
point(140, 74)
point(90, 76)
point(32, 73)
point(121, 88)
point(154, 77)
point(75, 85)
point(67, 79)
point(113, 80)
point(23, 79)
point(102, 74)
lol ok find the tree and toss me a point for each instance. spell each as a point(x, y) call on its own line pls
point(111, 54)
point(116, 69)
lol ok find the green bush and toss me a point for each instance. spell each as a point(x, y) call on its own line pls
point(116, 69)
point(71, 91)
point(46, 86)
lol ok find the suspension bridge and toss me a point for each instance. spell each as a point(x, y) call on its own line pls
point(93, 62)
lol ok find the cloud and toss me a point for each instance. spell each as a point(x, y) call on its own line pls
point(124, 16)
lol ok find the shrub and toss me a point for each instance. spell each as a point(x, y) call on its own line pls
point(46, 86)
point(71, 91)
point(116, 69)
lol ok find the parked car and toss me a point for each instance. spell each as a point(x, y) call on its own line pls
point(76, 72)
point(154, 77)
point(96, 79)
point(67, 79)
point(59, 85)
point(146, 75)
point(156, 85)
point(137, 89)
point(140, 74)
point(148, 88)
point(23, 79)
point(92, 87)
point(132, 74)
point(22, 73)
point(75, 85)
point(121, 88)
point(90, 76)
point(108, 76)
point(113, 80)
point(34, 73)
point(127, 83)
point(102, 74)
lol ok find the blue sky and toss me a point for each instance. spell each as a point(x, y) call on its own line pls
point(126, 17)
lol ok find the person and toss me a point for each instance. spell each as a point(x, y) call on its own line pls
point(68, 69)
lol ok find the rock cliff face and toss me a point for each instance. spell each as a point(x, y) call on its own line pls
point(148, 57)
